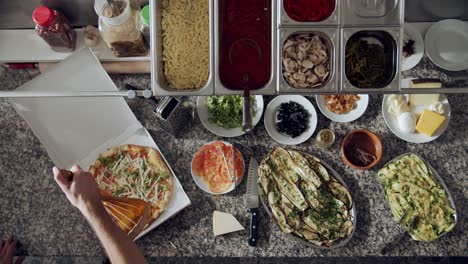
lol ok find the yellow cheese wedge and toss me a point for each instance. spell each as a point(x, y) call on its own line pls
point(224, 223)
point(429, 122)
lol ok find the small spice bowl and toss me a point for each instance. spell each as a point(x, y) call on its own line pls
point(361, 149)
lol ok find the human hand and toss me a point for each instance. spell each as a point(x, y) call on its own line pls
point(7, 250)
point(81, 189)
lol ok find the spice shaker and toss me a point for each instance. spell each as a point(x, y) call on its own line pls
point(53, 27)
point(173, 114)
point(120, 27)
point(145, 24)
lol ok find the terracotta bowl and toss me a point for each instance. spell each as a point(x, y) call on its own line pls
point(358, 143)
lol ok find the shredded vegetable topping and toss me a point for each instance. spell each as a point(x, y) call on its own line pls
point(133, 177)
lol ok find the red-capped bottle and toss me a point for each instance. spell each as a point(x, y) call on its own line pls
point(54, 28)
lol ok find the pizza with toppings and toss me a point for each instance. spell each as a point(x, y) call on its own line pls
point(135, 172)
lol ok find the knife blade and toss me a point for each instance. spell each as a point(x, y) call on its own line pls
point(251, 201)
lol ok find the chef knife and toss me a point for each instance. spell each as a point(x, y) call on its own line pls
point(252, 201)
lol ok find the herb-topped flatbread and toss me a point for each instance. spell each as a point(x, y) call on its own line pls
point(135, 172)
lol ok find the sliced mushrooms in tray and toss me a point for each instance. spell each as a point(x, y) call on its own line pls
point(306, 199)
point(306, 61)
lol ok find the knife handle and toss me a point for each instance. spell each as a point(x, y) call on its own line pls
point(253, 227)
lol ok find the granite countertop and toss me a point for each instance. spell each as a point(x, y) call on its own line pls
point(34, 209)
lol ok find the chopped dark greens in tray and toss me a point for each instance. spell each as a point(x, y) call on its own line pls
point(365, 63)
point(371, 59)
point(292, 119)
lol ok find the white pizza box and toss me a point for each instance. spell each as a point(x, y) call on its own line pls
point(74, 130)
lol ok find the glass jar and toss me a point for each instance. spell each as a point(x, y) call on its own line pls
point(325, 138)
point(145, 24)
point(53, 27)
point(120, 27)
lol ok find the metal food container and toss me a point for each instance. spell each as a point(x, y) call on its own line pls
point(270, 87)
point(331, 39)
point(392, 33)
point(372, 12)
point(159, 83)
point(285, 20)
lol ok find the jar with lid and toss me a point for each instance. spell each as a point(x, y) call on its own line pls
point(145, 24)
point(120, 27)
point(53, 27)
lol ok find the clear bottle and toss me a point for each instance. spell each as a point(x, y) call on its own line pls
point(145, 24)
point(53, 27)
point(120, 27)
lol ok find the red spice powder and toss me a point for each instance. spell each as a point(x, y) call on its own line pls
point(309, 10)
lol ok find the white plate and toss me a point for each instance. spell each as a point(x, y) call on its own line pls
point(416, 137)
point(361, 107)
point(446, 44)
point(270, 119)
point(198, 179)
point(204, 115)
point(413, 33)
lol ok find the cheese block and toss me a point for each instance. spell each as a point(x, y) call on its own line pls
point(224, 223)
point(429, 122)
point(424, 99)
point(425, 83)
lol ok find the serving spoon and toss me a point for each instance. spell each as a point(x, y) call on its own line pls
point(236, 50)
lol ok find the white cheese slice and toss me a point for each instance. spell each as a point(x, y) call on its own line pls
point(224, 223)
point(424, 99)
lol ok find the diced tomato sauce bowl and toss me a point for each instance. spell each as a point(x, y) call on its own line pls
point(209, 169)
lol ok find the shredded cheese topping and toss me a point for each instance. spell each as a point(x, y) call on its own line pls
point(132, 177)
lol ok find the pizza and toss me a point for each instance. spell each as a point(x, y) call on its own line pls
point(135, 172)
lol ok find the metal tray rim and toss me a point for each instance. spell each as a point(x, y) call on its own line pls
point(394, 18)
point(353, 212)
point(439, 179)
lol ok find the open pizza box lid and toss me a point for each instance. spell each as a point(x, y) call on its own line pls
point(75, 130)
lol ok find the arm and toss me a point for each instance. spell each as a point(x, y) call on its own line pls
point(83, 193)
